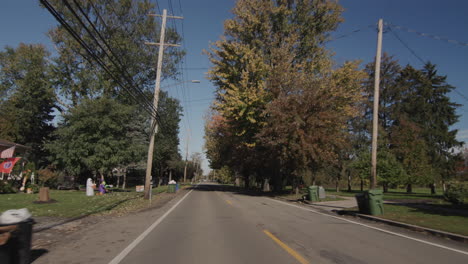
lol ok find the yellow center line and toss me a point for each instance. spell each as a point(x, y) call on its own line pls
point(291, 251)
point(229, 202)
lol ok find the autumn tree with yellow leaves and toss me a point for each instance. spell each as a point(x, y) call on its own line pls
point(282, 106)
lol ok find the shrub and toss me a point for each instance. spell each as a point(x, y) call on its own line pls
point(7, 187)
point(48, 178)
point(457, 193)
point(34, 187)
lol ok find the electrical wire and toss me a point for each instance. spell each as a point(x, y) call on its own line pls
point(67, 27)
point(460, 43)
point(406, 45)
point(416, 55)
point(351, 32)
point(124, 73)
point(112, 60)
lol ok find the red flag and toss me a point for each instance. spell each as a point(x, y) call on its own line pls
point(8, 153)
point(8, 165)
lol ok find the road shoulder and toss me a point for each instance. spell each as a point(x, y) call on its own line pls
point(97, 239)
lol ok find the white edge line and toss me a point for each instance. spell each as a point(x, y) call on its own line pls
point(130, 247)
point(376, 228)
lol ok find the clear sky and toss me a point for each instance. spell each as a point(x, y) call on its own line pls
point(24, 21)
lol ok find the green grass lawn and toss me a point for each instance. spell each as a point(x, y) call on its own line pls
point(286, 194)
point(453, 223)
point(396, 194)
point(76, 203)
point(421, 208)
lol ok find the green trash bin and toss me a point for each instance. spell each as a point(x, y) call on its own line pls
point(363, 202)
point(171, 188)
point(313, 193)
point(375, 202)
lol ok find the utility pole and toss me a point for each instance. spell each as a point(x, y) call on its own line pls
point(154, 125)
point(375, 119)
point(186, 155)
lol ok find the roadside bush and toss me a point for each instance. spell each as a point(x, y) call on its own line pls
point(34, 187)
point(457, 193)
point(7, 187)
point(48, 178)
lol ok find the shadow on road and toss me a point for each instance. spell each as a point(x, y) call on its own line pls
point(238, 190)
point(37, 253)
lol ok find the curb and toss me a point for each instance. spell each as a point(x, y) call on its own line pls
point(434, 232)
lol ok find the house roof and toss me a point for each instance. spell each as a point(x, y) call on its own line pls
point(4, 144)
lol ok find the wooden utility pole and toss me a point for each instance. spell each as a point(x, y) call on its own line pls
point(186, 155)
point(375, 119)
point(154, 125)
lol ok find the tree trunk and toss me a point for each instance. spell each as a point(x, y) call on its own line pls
point(385, 187)
point(433, 190)
point(444, 187)
point(124, 180)
point(247, 181)
point(409, 188)
point(118, 181)
point(337, 186)
point(237, 182)
point(349, 183)
point(362, 185)
point(266, 186)
point(44, 194)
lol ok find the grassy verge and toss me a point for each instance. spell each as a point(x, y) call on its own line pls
point(76, 203)
point(399, 194)
point(286, 194)
point(421, 208)
point(453, 223)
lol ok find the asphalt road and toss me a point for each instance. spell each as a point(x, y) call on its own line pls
point(215, 225)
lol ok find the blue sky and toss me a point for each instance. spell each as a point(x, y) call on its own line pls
point(24, 21)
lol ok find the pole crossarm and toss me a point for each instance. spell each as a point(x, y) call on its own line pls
point(157, 15)
point(164, 44)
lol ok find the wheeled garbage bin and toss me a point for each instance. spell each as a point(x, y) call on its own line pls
point(375, 202)
point(313, 193)
point(363, 203)
point(15, 241)
point(171, 188)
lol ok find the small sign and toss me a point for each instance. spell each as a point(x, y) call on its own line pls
point(140, 188)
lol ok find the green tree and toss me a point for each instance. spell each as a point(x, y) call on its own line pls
point(125, 26)
point(93, 137)
point(389, 169)
point(166, 155)
point(410, 149)
point(426, 103)
point(262, 38)
point(27, 98)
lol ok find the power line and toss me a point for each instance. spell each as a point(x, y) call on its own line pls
point(416, 55)
point(351, 33)
point(460, 43)
point(406, 46)
point(98, 60)
point(124, 73)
